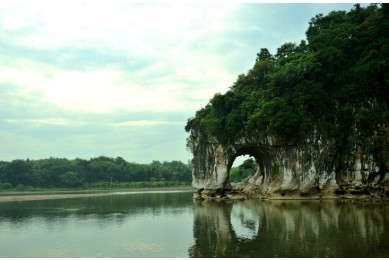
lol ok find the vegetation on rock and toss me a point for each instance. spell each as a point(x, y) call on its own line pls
point(332, 85)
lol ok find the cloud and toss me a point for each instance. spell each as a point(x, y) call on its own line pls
point(90, 78)
point(146, 123)
point(30, 129)
point(76, 58)
point(139, 59)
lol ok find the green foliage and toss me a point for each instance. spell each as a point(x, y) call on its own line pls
point(71, 179)
point(334, 83)
point(5, 186)
point(20, 187)
point(248, 164)
point(17, 172)
point(101, 171)
point(138, 184)
point(264, 55)
point(235, 174)
point(247, 168)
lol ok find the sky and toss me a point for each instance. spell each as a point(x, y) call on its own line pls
point(81, 79)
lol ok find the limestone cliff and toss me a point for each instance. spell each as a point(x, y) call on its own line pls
point(304, 170)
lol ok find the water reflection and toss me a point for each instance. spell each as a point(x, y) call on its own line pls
point(289, 229)
point(136, 225)
point(104, 207)
point(245, 223)
point(172, 225)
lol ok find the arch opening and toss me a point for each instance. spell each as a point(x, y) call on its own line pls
point(245, 166)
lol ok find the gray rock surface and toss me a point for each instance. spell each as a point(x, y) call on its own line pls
point(310, 169)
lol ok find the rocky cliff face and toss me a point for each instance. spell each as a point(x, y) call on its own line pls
point(318, 167)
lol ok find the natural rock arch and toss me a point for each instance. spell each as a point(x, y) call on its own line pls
point(304, 170)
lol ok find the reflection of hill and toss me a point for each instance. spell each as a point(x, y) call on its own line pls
point(289, 229)
point(212, 230)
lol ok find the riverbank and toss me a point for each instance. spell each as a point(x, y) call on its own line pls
point(68, 194)
point(247, 194)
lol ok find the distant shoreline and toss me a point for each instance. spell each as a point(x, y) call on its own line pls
point(52, 195)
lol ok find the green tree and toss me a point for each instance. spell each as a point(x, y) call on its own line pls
point(71, 179)
point(246, 169)
point(248, 164)
point(18, 172)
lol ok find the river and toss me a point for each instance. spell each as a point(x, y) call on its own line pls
point(171, 224)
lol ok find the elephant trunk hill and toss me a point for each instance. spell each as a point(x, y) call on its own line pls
point(314, 116)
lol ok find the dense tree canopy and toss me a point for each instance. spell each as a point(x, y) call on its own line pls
point(334, 81)
point(61, 172)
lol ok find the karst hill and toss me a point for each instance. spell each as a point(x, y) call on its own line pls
point(314, 116)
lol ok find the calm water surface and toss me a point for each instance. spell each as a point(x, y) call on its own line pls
point(171, 224)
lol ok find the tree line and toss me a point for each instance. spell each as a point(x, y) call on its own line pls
point(100, 172)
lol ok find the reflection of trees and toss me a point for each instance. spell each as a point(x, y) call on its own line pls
point(289, 229)
point(115, 208)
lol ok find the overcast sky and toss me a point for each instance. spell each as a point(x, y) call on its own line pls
point(114, 78)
